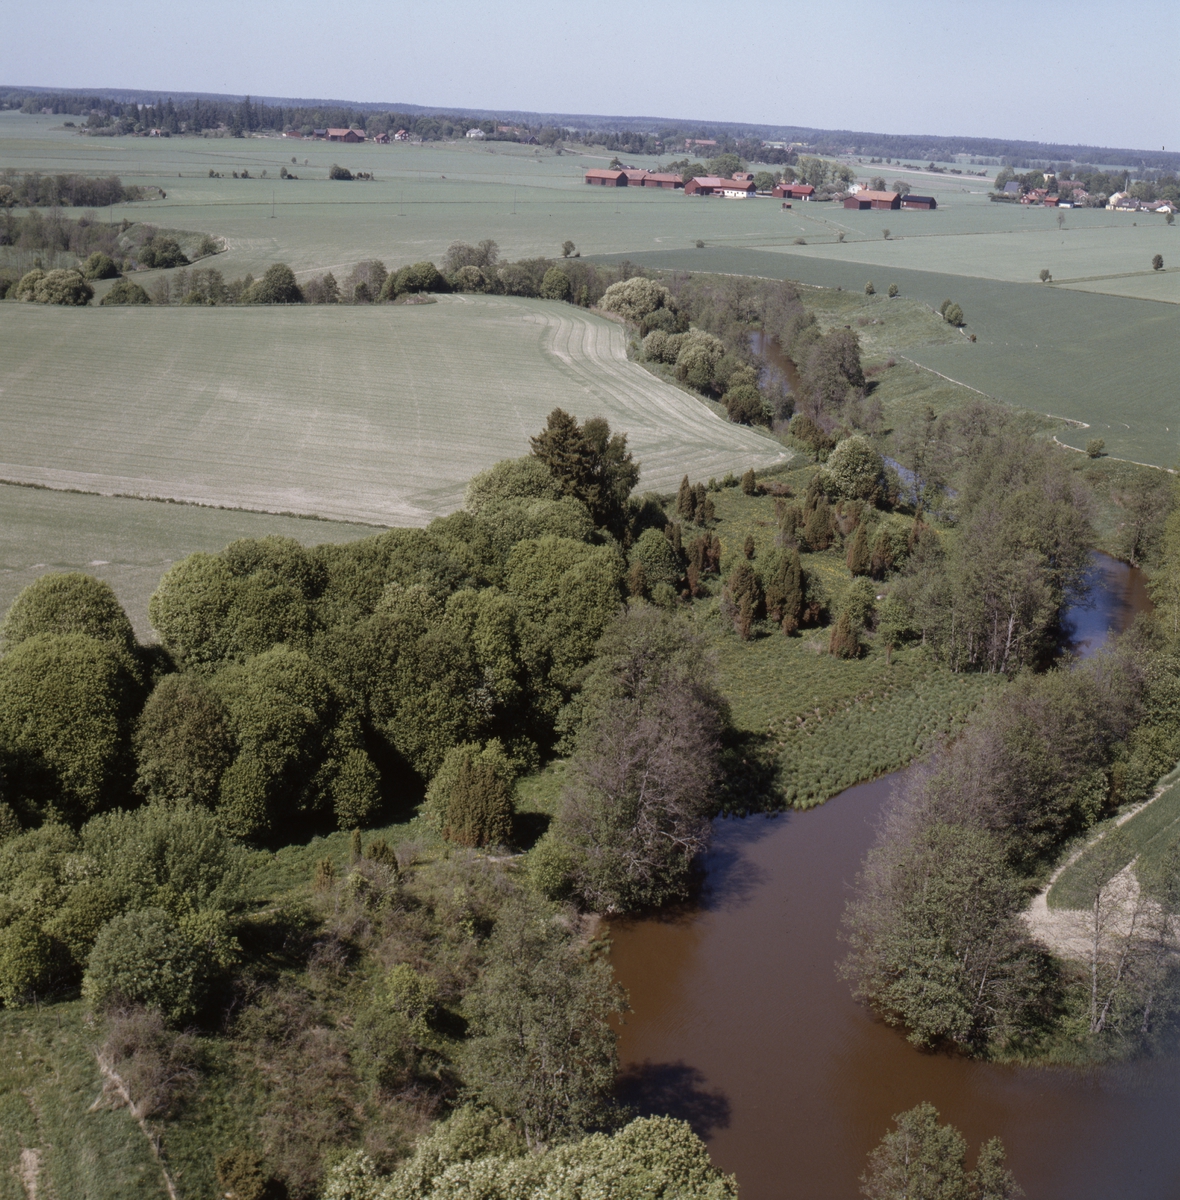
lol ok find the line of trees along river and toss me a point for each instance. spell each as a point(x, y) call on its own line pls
point(741, 1023)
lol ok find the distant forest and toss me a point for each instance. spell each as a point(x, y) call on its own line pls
point(121, 111)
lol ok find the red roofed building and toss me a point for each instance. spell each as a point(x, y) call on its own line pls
point(663, 180)
point(635, 178)
point(793, 191)
point(867, 198)
point(345, 135)
point(714, 185)
point(600, 178)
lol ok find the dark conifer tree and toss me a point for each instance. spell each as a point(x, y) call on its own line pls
point(685, 503)
point(860, 559)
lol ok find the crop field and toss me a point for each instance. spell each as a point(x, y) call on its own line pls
point(1102, 360)
point(370, 414)
point(129, 543)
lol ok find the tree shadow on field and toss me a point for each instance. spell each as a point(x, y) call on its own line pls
point(674, 1090)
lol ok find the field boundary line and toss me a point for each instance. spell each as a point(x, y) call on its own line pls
point(265, 512)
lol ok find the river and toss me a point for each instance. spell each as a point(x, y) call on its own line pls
point(740, 1024)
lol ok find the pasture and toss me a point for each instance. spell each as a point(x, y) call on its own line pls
point(129, 543)
point(367, 414)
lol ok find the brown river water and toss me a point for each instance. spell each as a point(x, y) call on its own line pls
point(741, 1025)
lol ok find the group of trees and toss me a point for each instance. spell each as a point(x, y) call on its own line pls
point(938, 943)
point(34, 190)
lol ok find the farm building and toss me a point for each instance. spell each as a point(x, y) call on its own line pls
point(1012, 188)
point(344, 135)
point(382, 139)
point(869, 199)
point(635, 178)
point(793, 191)
point(401, 136)
point(601, 178)
point(655, 179)
point(912, 201)
point(476, 134)
point(714, 185)
point(292, 133)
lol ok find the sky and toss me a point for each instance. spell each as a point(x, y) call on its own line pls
point(1044, 70)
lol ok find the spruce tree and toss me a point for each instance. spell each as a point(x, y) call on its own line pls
point(748, 547)
point(699, 496)
point(844, 643)
point(637, 581)
point(750, 483)
point(685, 503)
point(817, 532)
point(709, 513)
point(860, 559)
point(881, 561)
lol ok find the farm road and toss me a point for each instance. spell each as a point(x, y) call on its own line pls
point(367, 414)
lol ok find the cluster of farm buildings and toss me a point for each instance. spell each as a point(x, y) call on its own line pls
point(740, 186)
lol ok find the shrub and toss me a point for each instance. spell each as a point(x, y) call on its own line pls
point(277, 286)
point(1157, 262)
point(419, 277)
point(335, 171)
point(744, 404)
point(162, 253)
point(698, 358)
point(27, 960)
point(894, 290)
point(657, 558)
point(99, 266)
point(953, 315)
point(356, 790)
point(471, 279)
point(525, 478)
point(65, 707)
point(144, 958)
point(1095, 447)
point(750, 483)
point(182, 742)
point(126, 291)
point(869, 289)
point(470, 799)
point(55, 287)
point(70, 602)
point(635, 298)
point(854, 470)
point(556, 285)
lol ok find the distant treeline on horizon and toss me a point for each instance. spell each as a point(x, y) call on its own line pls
point(194, 112)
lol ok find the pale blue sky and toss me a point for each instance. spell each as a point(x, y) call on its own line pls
point(1082, 71)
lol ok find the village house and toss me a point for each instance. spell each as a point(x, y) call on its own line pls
point(292, 133)
point(793, 191)
point(869, 199)
point(382, 139)
point(714, 185)
point(401, 136)
point(345, 135)
point(598, 177)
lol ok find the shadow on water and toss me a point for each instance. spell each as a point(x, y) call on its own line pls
point(674, 1090)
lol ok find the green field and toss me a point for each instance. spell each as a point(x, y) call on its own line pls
point(1102, 360)
point(129, 543)
point(373, 414)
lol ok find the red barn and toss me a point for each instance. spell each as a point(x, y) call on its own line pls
point(635, 178)
point(793, 191)
point(912, 201)
point(345, 135)
point(867, 199)
point(655, 179)
point(601, 178)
